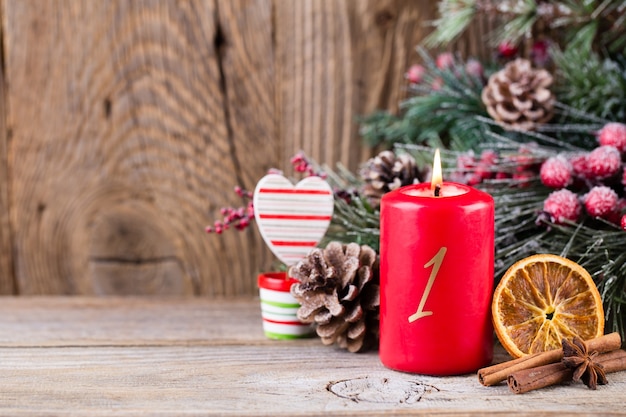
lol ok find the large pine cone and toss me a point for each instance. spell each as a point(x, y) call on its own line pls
point(339, 291)
point(386, 172)
point(518, 97)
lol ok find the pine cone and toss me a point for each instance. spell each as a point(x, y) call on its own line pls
point(386, 172)
point(518, 97)
point(339, 291)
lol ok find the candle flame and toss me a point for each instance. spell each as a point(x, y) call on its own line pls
point(437, 177)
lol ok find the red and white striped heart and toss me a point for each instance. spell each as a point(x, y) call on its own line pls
point(292, 219)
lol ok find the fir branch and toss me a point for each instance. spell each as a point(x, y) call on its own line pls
point(455, 17)
point(590, 84)
point(579, 24)
point(354, 220)
point(442, 109)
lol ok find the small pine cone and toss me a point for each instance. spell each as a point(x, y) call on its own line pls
point(386, 172)
point(518, 97)
point(339, 291)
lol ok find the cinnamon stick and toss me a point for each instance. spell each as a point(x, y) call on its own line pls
point(497, 373)
point(556, 373)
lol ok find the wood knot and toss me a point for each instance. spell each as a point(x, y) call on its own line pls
point(383, 19)
point(131, 254)
point(380, 390)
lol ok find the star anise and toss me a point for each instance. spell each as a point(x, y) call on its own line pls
point(586, 368)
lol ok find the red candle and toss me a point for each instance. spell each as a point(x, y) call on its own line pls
point(436, 271)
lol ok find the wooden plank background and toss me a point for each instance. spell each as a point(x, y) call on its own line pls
point(124, 127)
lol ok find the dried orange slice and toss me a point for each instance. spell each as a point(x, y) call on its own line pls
point(542, 299)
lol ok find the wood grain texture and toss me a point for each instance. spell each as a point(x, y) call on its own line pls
point(129, 321)
point(7, 276)
point(335, 61)
point(121, 149)
point(138, 356)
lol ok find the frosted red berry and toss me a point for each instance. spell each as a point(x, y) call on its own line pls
point(444, 60)
point(601, 201)
point(556, 172)
point(580, 167)
point(603, 162)
point(562, 205)
point(415, 74)
point(437, 84)
point(613, 134)
point(488, 157)
point(623, 222)
point(474, 68)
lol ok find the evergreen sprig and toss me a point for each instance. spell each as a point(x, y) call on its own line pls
point(598, 24)
point(354, 219)
point(591, 84)
point(440, 112)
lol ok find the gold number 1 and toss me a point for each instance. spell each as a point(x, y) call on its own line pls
point(435, 262)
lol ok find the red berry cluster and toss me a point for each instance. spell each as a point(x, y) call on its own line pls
point(473, 170)
point(539, 52)
point(598, 176)
point(302, 164)
point(417, 74)
point(238, 217)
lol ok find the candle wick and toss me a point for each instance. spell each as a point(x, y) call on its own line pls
point(437, 190)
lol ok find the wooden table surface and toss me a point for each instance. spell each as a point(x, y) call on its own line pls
point(134, 356)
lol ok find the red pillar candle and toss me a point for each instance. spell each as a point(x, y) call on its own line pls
point(436, 271)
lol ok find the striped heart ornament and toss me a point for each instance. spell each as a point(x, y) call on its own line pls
point(292, 219)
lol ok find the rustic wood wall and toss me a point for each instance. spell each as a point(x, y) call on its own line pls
point(125, 126)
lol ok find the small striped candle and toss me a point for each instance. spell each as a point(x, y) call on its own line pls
point(279, 308)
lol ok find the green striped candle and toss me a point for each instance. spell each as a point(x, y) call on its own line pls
point(279, 308)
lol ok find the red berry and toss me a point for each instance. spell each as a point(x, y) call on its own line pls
point(444, 60)
point(483, 171)
point(415, 74)
point(616, 215)
point(604, 162)
point(539, 53)
point(437, 84)
point(613, 134)
point(523, 178)
point(507, 50)
point(562, 205)
point(623, 222)
point(580, 167)
point(600, 201)
point(475, 68)
point(489, 157)
point(465, 161)
point(556, 172)
point(473, 179)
